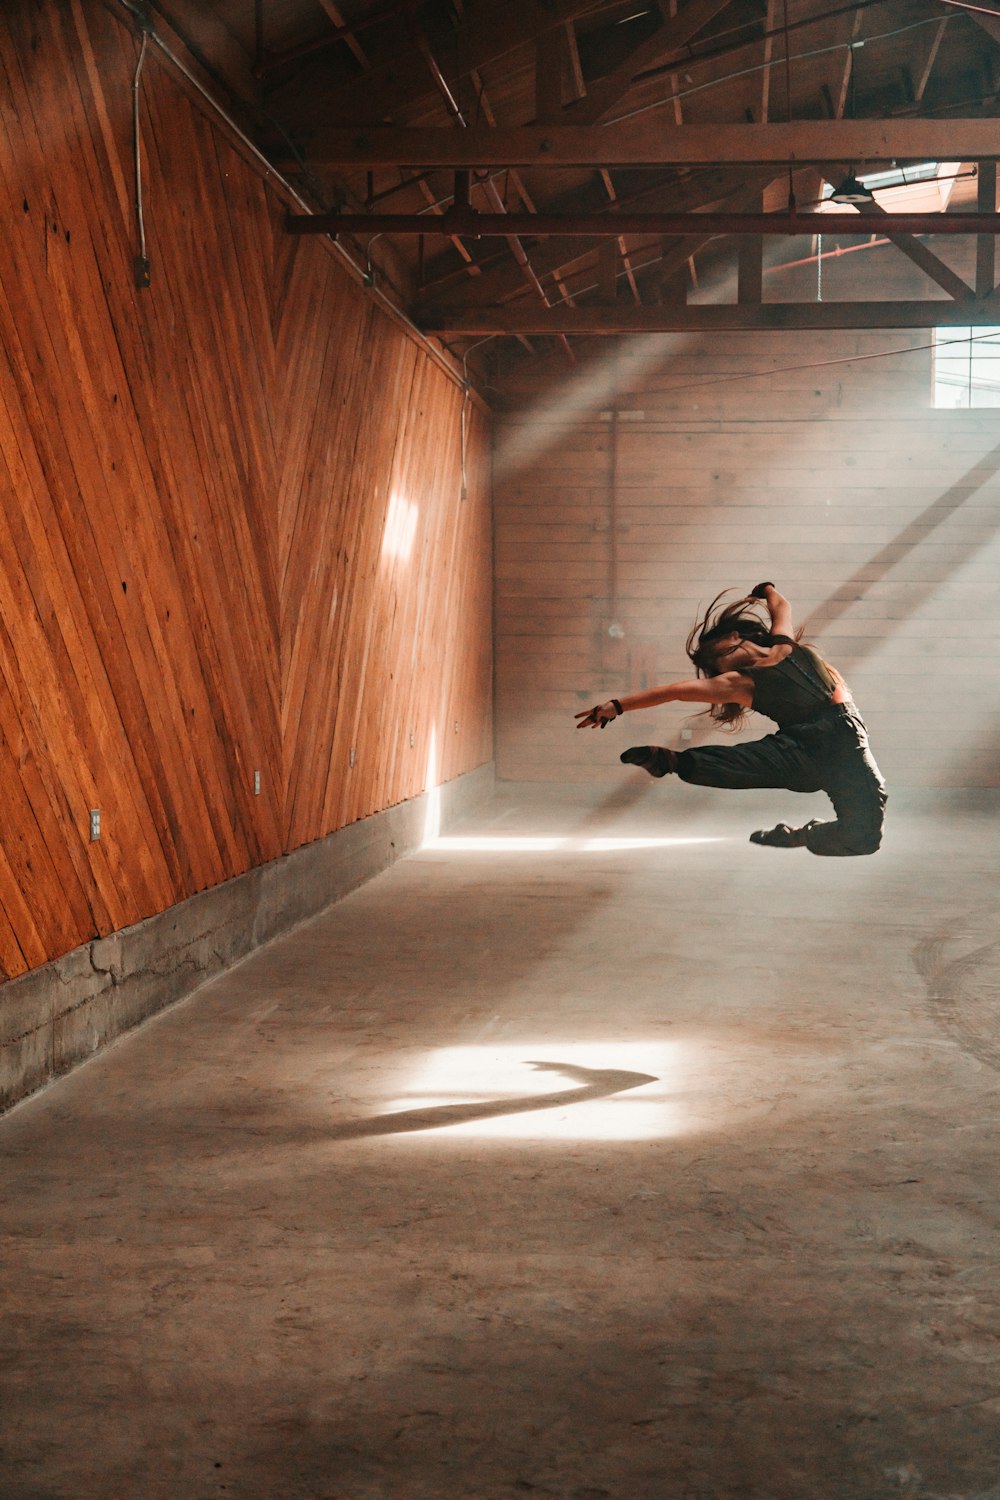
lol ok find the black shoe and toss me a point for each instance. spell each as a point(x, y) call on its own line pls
point(782, 836)
point(651, 758)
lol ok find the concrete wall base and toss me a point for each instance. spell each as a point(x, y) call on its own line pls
point(61, 1014)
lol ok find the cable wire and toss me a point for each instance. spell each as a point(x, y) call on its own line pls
point(823, 364)
point(712, 83)
point(979, 10)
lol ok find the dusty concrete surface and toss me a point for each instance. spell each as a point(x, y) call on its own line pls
point(553, 1170)
point(62, 1013)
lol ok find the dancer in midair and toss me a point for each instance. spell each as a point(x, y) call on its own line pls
point(744, 662)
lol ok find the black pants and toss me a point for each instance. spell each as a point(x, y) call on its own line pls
point(829, 753)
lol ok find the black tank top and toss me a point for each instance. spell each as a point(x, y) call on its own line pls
point(796, 688)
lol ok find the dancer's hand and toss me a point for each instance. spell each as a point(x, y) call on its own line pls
point(599, 715)
point(760, 590)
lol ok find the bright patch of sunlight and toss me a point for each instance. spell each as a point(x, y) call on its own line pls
point(607, 383)
point(604, 846)
point(400, 528)
point(487, 844)
point(514, 844)
point(613, 1091)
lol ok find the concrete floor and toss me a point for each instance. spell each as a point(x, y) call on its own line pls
point(568, 1170)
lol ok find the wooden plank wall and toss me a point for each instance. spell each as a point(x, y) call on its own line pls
point(196, 480)
point(879, 516)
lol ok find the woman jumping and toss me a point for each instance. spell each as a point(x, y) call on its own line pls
point(821, 744)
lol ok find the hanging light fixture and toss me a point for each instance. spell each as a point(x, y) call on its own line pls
point(852, 191)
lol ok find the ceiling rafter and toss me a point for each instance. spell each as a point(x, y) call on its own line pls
point(346, 33)
point(623, 250)
point(929, 263)
point(480, 175)
point(515, 178)
point(935, 46)
point(491, 33)
point(672, 34)
point(497, 283)
point(610, 181)
point(649, 143)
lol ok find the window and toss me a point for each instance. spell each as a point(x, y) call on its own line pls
point(966, 367)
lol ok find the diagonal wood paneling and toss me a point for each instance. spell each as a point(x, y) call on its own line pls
point(195, 485)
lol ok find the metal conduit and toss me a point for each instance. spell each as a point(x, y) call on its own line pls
point(146, 29)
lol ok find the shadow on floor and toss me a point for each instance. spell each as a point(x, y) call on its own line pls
point(595, 1083)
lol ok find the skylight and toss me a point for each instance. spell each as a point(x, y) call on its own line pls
point(966, 367)
point(923, 187)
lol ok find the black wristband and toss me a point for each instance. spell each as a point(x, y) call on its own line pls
point(617, 706)
point(760, 590)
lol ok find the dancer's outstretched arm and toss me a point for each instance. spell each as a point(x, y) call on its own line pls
point(728, 687)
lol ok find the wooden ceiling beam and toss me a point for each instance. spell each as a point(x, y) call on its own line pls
point(700, 190)
point(393, 83)
point(498, 284)
point(647, 141)
point(989, 23)
point(607, 92)
point(336, 16)
point(735, 318)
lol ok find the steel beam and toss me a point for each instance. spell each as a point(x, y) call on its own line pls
point(714, 318)
point(649, 141)
point(474, 225)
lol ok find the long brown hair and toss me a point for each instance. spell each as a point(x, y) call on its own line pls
point(748, 618)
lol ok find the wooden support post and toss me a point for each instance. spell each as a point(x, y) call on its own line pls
point(607, 272)
point(750, 280)
point(986, 243)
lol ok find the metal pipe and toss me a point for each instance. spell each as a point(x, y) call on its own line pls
point(834, 254)
point(473, 225)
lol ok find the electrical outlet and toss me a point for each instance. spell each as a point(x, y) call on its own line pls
point(413, 740)
point(352, 760)
point(95, 824)
point(256, 783)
